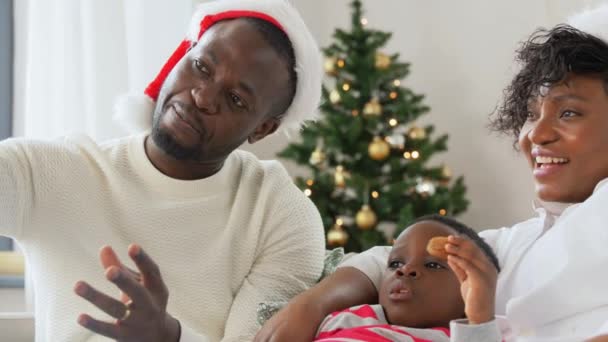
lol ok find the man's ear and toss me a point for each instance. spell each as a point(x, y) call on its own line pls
point(267, 127)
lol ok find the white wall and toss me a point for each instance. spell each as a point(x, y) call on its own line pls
point(462, 57)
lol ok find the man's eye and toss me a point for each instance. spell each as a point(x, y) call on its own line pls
point(200, 66)
point(434, 265)
point(237, 101)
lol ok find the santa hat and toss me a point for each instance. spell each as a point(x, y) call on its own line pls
point(592, 21)
point(134, 112)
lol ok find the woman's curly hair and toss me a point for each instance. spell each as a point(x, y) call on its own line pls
point(547, 57)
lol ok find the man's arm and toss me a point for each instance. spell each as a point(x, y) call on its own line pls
point(300, 319)
point(15, 188)
point(289, 259)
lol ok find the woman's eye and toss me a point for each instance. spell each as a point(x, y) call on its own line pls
point(531, 116)
point(434, 265)
point(568, 114)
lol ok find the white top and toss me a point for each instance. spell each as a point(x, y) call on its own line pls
point(553, 284)
point(223, 244)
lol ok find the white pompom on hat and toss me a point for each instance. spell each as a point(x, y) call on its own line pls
point(592, 21)
point(134, 112)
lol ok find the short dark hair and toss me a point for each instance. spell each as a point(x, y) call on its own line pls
point(280, 42)
point(547, 57)
point(465, 230)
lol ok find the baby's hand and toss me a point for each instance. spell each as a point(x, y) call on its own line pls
point(477, 276)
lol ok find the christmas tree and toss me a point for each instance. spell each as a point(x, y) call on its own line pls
point(368, 157)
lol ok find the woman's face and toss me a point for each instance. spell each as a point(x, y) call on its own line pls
point(565, 139)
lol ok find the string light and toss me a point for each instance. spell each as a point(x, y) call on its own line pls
point(339, 221)
point(397, 83)
point(364, 21)
point(407, 155)
point(375, 194)
point(346, 87)
point(308, 192)
point(310, 182)
point(415, 154)
point(340, 63)
point(443, 212)
point(355, 112)
point(393, 122)
point(393, 95)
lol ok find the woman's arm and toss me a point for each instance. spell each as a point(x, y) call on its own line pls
point(300, 319)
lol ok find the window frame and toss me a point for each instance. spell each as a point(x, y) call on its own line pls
point(10, 260)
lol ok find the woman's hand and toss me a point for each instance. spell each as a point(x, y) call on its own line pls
point(300, 319)
point(140, 313)
point(296, 322)
point(477, 276)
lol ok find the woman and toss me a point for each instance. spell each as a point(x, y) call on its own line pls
point(552, 286)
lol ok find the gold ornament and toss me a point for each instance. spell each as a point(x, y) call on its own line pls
point(340, 176)
point(373, 107)
point(336, 236)
point(383, 61)
point(330, 65)
point(317, 157)
point(334, 97)
point(416, 133)
point(446, 173)
point(379, 149)
point(366, 218)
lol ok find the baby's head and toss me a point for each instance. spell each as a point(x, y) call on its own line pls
point(419, 290)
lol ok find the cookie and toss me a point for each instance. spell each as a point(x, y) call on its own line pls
point(436, 247)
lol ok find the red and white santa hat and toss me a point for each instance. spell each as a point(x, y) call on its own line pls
point(592, 21)
point(134, 112)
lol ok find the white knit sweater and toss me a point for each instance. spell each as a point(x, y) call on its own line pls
point(225, 243)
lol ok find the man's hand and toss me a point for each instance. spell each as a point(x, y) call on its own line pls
point(477, 276)
point(603, 338)
point(141, 312)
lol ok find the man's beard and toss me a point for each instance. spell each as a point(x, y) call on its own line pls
point(169, 145)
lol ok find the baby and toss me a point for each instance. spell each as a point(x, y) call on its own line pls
point(423, 293)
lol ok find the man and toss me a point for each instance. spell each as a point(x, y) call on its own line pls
point(211, 230)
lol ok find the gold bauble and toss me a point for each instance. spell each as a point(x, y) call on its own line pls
point(383, 61)
point(317, 157)
point(340, 176)
point(330, 65)
point(336, 236)
point(416, 133)
point(379, 149)
point(334, 97)
point(373, 107)
point(366, 218)
point(446, 173)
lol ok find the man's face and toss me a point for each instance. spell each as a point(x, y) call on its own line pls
point(220, 94)
point(420, 290)
point(565, 139)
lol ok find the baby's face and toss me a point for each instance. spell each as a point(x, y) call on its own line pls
point(420, 290)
